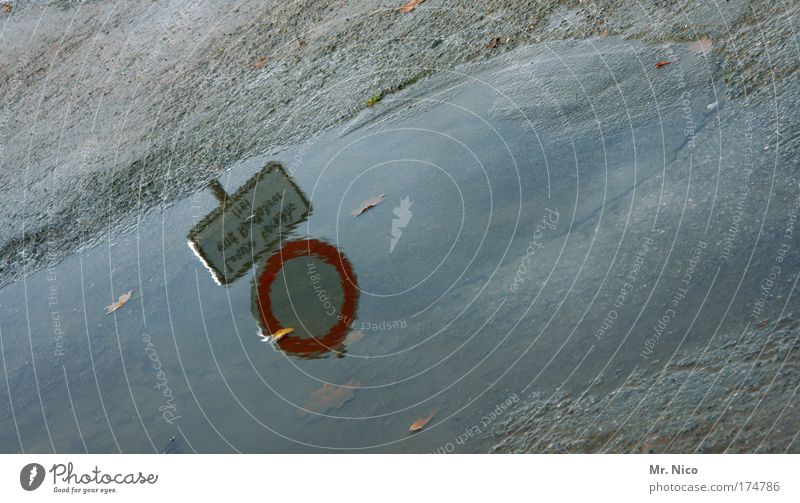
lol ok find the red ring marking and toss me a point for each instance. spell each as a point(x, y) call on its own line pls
point(329, 254)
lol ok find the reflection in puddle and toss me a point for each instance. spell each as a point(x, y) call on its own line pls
point(321, 295)
point(248, 224)
point(539, 216)
point(251, 224)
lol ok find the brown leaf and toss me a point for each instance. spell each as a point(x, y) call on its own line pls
point(663, 63)
point(369, 203)
point(6, 7)
point(260, 63)
point(125, 297)
point(330, 397)
point(494, 42)
point(409, 6)
point(421, 423)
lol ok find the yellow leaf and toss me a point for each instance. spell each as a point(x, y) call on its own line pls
point(281, 333)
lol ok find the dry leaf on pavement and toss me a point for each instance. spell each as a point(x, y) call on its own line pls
point(421, 423)
point(369, 203)
point(409, 6)
point(125, 297)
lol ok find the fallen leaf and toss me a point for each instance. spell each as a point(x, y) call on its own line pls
point(354, 337)
point(409, 6)
point(280, 334)
point(663, 63)
point(701, 46)
point(260, 63)
point(330, 397)
point(125, 297)
point(494, 42)
point(6, 7)
point(369, 203)
point(421, 423)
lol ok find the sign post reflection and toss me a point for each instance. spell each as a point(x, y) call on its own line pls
point(252, 224)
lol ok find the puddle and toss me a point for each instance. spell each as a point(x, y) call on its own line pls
point(555, 219)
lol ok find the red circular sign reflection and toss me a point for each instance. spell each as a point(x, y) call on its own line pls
point(314, 346)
